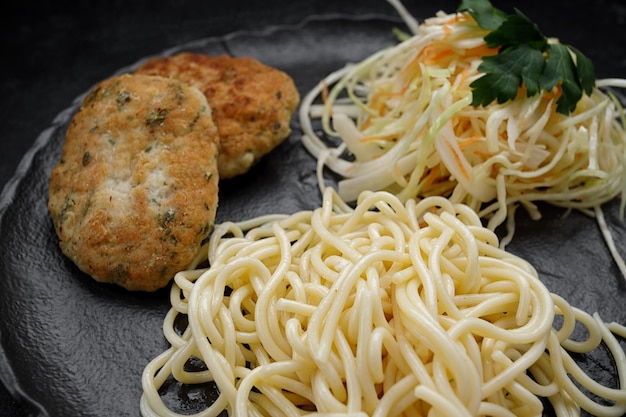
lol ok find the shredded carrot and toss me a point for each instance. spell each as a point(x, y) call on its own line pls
point(432, 175)
point(371, 138)
point(483, 154)
point(552, 94)
point(469, 141)
point(424, 223)
point(378, 99)
point(480, 51)
point(458, 161)
point(367, 120)
point(434, 54)
point(462, 125)
point(495, 169)
point(413, 65)
point(377, 102)
point(464, 76)
point(324, 92)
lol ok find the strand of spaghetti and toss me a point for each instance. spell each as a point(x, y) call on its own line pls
point(397, 398)
point(327, 396)
point(594, 334)
point(423, 327)
point(617, 329)
point(177, 362)
point(239, 305)
point(440, 403)
point(557, 358)
point(425, 277)
point(151, 404)
point(382, 201)
point(184, 284)
point(220, 368)
point(538, 386)
point(268, 332)
point(594, 387)
point(444, 299)
point(465, 238)
point(352, 381)
point(363, 373)
point(175, 339)
point(259, 378)
point(614, 347)
point(491, 409)
point(544, 384)
point(324, 320)
point(153, 376)
point(408, 357)
point(510, 372)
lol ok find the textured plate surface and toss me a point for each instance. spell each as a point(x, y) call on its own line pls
point(76, 347)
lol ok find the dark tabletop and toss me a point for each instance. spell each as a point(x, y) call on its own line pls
point(54, 51)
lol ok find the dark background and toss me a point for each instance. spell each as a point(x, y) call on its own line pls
point(54, 51)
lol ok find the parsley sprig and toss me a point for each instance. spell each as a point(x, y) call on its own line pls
point(525, 57)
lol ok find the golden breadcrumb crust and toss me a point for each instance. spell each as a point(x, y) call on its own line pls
point(252, 103)
point(136, 189)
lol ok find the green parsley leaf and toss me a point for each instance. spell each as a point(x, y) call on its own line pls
point(516, 30)
point(505, 73)
point(584, 71)
point(558, 63)
point(487, 16)
point(525, 58)
point(561, 68)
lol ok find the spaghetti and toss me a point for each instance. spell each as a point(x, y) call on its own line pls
point(389, 308)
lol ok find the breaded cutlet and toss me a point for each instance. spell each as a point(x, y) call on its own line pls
point(252, 103)
point(136, 189)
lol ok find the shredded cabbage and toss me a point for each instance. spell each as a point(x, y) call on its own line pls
point(401, 121)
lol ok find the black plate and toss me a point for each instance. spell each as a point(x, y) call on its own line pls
point(75, 347)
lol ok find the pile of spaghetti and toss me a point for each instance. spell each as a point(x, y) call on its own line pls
point(402, 121)
point(385, 309)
